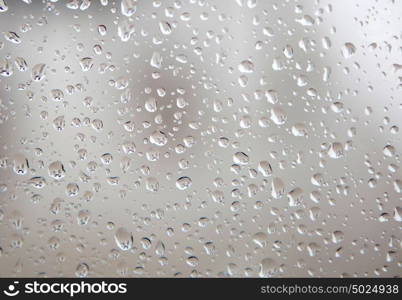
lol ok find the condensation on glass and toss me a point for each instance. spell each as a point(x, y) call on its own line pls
point(202, 138)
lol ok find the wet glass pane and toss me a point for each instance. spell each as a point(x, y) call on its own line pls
point(241, 138)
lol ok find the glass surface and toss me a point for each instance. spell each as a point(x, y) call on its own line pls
point(201, 138)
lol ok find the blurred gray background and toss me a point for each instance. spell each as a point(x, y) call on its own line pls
point(330, 70)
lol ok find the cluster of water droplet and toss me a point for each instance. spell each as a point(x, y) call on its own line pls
point(200, 138)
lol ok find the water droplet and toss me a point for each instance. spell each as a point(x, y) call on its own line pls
point(124, 239)
point(128, 7)
point(241, 158)
point(348, 50)
point(38, 72)
point(183, 183)
point(246, 66)
point(56, 170)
